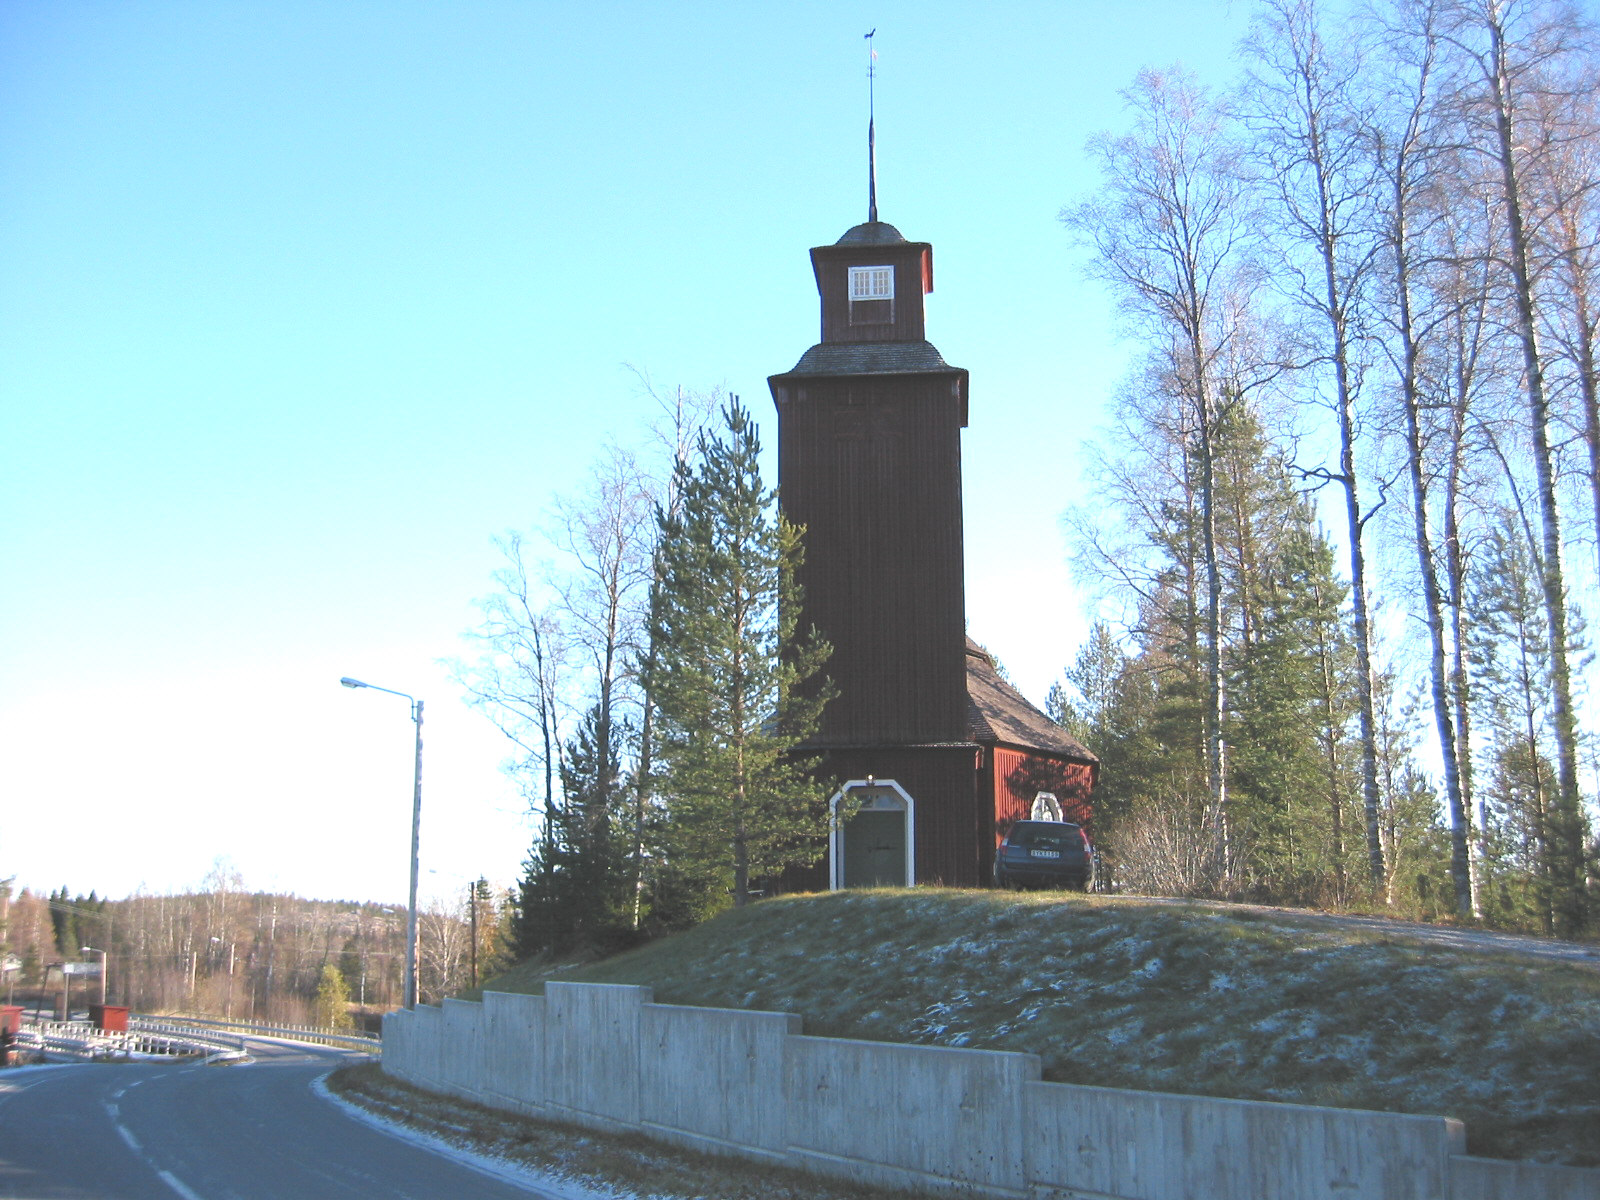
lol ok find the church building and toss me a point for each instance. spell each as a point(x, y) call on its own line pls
point(932, 750)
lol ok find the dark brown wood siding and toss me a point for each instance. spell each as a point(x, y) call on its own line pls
point(912, 263)
point(871, 467)
point(942, 783)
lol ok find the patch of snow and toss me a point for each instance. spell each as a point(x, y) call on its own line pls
point(1120, 1035)
point(1131, 946)
point(543, 1184)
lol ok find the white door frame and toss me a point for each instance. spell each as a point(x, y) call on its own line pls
point(1046, 808)
point(836, 827)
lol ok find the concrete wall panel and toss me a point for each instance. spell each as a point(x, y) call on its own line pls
point(936, 1120)
point(1497, 1179)
point(461, 1054)
point(933, 1112)
point(398, 1050)
point(714, 1072)
point(427, 1045)
point(513, 1032)
point(1155, 1146)
point(591, 1049)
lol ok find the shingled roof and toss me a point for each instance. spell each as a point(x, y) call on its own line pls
point(997, 712)
point(873, 233)
point(871, 358)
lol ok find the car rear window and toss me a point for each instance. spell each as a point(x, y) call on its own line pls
point(1047, 837)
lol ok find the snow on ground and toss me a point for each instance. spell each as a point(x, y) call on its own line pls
point(543, 1184)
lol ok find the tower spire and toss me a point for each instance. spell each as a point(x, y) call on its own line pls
point(872, 150)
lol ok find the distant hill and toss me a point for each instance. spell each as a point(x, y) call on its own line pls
point(1208, 1000)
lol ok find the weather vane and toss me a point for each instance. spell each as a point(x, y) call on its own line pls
point(872, 151)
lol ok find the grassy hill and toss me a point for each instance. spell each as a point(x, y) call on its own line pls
point(1178, 998)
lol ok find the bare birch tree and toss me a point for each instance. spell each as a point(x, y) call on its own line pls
point(1169, 228)
point(1310, 137)
point(520, 679)
point(1516, 58)
point(607, 532)
point(1408, 151)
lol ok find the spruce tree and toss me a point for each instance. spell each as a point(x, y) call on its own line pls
point(1515, 705)
point(736, 689)
point(575, 891)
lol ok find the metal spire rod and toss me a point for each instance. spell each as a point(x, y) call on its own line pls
point(872, 150)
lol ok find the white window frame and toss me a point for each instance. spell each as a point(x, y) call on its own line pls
point(836, 830)
point(871, 283)
point(1046, 808)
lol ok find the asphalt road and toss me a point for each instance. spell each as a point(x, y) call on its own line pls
point(182, 1131)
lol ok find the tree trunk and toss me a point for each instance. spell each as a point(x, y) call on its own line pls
point(1216, 748)
point(1432, 597)
point(1570, 885)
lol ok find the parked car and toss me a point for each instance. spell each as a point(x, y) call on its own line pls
point(1044, 854)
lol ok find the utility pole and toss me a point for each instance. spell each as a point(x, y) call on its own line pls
point(472, 910)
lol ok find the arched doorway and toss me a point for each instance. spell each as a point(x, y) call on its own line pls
point(874, 844)
point(1046, 807)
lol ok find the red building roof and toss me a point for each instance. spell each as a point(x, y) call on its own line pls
point(998, 713)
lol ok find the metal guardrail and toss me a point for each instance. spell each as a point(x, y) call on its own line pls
point(215, 1040)
point(80, 1039)
point(294, 1033)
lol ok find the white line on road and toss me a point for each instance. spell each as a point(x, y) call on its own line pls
point(133, 1143)
point(173, 1182)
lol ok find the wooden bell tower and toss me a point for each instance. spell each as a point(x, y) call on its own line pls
point(933, 754)
point(869, 462)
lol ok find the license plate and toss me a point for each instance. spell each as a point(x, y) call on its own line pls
point(1045, 853)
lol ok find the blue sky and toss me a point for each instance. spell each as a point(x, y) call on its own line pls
point(302, 303)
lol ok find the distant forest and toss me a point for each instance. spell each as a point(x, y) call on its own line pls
point(226, 952)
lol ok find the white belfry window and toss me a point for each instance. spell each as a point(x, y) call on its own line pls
point(871, 283)
point(871, 295)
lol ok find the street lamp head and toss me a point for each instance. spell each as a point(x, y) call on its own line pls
point(353, 683)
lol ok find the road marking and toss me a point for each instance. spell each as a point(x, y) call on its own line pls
point(133, 1143)
point(173, 1182)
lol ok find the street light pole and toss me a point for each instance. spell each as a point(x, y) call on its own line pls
point(232, 943)
point(416, 833)
point(103, 970)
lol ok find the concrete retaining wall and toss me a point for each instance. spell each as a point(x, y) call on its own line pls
point(930, 1119)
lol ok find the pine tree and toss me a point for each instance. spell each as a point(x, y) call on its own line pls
point(350, 965)
point(64, 923)
point(575, 889)
point(1107, 702)
point(1293, 699)
point(736, 689)
point(1512, 662)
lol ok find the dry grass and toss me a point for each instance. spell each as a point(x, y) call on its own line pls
point(1176, 998)
point(605, 1164)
